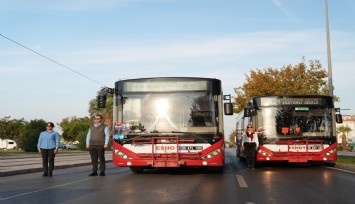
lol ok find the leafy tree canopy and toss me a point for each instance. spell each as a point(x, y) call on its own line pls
point(344, 129)
point(73, 127)
point(11, 128)
point(30, 134)
point(288, 80)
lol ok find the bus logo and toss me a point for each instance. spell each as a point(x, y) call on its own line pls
point(164, 147)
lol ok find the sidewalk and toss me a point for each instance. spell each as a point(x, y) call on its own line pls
point(348, 167)
point(346, 153)
point(14, 165)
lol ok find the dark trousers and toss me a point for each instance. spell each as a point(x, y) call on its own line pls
point(48, 160)
point(97, 153)
point(250, 153)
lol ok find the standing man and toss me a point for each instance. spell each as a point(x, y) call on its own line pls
point(96, 142)
point(48, 143)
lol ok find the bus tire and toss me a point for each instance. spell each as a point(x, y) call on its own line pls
point(216, 169)
point(136, 169)
point(329, 164)
point(317, 164)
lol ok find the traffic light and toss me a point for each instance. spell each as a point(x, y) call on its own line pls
point(101, 101)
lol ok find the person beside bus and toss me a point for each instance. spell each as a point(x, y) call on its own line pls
point(96, 142)
point(250, 143)
point(48, 143)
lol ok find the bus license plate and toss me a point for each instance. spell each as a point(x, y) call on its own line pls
point(190, 148)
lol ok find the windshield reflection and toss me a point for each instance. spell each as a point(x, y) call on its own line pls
point(170, 112)
point(289, 122)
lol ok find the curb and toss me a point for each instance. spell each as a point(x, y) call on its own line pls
point(348, 167)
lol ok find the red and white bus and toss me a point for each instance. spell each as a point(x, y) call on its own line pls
point(297, 128)
point(169, 122)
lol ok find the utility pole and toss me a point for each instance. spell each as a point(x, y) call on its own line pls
point(330, 75)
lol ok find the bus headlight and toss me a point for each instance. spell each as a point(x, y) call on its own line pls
point(212, 154)
point(330, 152)
point(121, 154)
point(264, 153)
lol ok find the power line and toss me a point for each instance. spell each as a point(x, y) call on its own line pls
point(58, 63)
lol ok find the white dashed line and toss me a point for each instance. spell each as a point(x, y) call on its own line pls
point(241, 181)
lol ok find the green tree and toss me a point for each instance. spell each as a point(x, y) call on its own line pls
point(344, 130)
point(75, 129)
point(11, 128)
point(288, 80)
point(29, 135)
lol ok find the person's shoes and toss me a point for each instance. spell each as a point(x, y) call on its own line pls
point(93, 174)
point(50, 174)
point(45, 174)
point(102, 174)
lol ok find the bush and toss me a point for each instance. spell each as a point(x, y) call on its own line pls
point(30, 134)
point(81, 138)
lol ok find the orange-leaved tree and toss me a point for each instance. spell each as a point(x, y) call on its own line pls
point(288, 80)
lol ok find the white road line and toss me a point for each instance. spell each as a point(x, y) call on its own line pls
point(344, 170)
point(44, 189)
point(241, 181)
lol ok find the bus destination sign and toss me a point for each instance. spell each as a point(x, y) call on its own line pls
point(163, 86)
point(299, 101)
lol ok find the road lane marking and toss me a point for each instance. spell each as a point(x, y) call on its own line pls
point(241, 181)
point(64, 184)
point(44, 189)
point(344, 170)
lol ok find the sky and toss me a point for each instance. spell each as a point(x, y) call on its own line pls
point(93, 43)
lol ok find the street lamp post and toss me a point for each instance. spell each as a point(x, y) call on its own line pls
point(330, 75)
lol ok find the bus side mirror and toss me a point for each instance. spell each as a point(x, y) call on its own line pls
point(338, 118)
point(228, 108)
point(247, 112)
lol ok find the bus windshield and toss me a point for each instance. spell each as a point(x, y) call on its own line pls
point(292, 121)
point(155, 112)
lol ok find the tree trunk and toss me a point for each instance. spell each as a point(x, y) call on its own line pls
point(343, 142)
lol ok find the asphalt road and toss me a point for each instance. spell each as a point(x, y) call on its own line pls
point(271, 184)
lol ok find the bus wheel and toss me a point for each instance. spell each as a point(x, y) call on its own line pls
point(258, 164)
point(136, 169)
point(329, 164)
point(215, 169)
point(317, 164)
